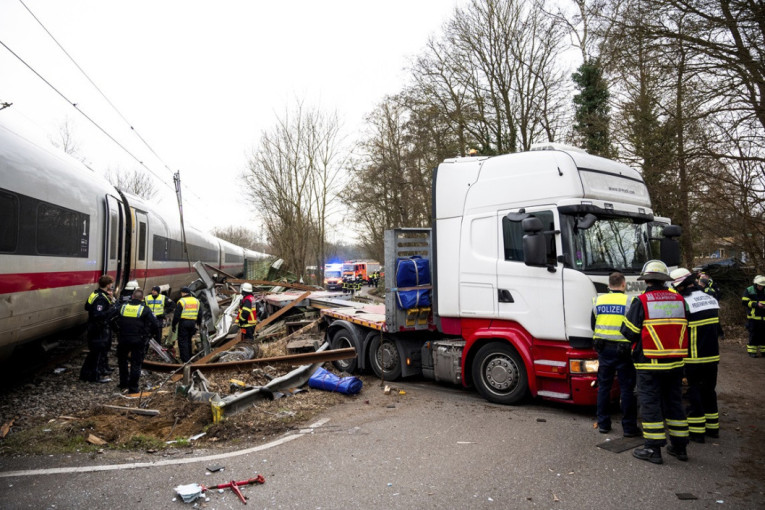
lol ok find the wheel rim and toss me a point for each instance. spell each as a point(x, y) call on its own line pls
point(387, 356)
point(342, 343)
point(501, 373)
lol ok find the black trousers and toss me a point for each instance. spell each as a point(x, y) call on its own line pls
point(98, 347)
point(702, 398)
point(130, 353)
point(661, 400)
point(186, 330)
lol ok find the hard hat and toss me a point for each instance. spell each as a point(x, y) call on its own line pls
point(131, 285)
point(679, 276)
point(246, 287)
point(185, 290)
point(655, 270)
point(759, 280)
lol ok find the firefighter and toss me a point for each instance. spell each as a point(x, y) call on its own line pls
point(656, 324)
point(158, 305)
point(703, 356)
point(101, 311)
point(346, 285)
point(185, 320)
point(754, 300)
point(614, 356)
point(136, 325)
point(248, 316)
point(707, 285)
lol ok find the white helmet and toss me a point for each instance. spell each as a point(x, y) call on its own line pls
point(655, 270)
point(679, 276)
point(131, 285)
point(246, 287)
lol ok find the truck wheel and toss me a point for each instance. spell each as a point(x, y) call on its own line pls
point(342, 339)
point(499, 374)
point(384, 359)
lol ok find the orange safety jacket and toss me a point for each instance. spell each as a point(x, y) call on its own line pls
point(246, 312)
point(665, 328)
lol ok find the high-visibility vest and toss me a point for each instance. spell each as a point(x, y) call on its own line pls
point(156, 304)
point(190, 306)
point(92, 297)
point(665, 328)
point(247, 305)
point(703, 323)
point(129, 310)
point(609, 311)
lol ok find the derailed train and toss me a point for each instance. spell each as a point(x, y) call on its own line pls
point(62, 226)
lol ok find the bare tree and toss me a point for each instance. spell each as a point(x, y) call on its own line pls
point(66, 139)
point(240, 236)
point(294, 173)
point(132, 181)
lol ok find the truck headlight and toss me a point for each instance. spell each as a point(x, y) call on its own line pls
point(583, 366)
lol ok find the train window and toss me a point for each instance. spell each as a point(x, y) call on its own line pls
point(113, 235)
point(61, 232)
point(141, 241)
point(9, 227)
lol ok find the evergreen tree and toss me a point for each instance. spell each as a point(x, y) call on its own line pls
point(592, 110)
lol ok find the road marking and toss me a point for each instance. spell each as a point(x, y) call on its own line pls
point(173, 462)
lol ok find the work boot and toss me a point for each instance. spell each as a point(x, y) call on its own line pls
point(652, 455)
point(697, 438)
point(104, 380)
point(636, 433)
point(713, 433)
point(678, 452)
point(752, 355)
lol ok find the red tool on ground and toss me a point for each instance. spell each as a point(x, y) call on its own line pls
point(234, 485)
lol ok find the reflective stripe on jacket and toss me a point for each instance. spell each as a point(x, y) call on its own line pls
point(750, 299)
point(156, 304)
point(129, 310)
point(190, 307)
point(246, 312)
point(704, 324)
point(609, 311)
point(665, 327)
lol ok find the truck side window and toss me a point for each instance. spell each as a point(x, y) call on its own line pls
point(512, 236)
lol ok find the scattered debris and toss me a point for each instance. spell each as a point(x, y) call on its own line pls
point(95, 440)
point(234, 486)
point(387, 390)
point(325, 380)
point(6, 428)
point(215, 468)
point(541, 420)
point(190, 492)
point(59, 370)
point(197, 436)
point(134, 410)
point(685, 495)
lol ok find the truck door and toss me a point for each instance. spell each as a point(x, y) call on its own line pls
point(114, 239)
point(531, 296)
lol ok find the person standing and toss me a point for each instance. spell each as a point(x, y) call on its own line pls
point(754, 300)
point(656, 324)
point(248, 316)
point(101, 311)
point(185, 320)
point(136, 325)
point(703, 356)
point(614, 356)
point(158, 305)
point(707, 285)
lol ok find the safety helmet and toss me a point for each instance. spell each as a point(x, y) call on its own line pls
point(246, 287)
point(759, 280)
point(131, 285)
point(655, 270)
point(680, 276)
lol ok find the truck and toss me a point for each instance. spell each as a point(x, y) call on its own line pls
point(333, 278)
point(519, 248)
point(360, 269)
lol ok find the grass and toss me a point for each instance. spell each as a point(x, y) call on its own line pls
point(48, 439)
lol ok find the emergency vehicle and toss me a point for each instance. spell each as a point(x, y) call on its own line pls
point(333, 277)
point(504, 282)
point(359, 269)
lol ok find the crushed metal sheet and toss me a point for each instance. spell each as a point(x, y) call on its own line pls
point(685, 495)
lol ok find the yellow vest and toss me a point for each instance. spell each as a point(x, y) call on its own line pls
point(609, 311)
point(129, 310)
point(156, 305)
point(190, 307)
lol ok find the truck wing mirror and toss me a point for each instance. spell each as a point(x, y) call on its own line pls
point(516, 216)
point(673, 231)
point(532, 225)
point(535, 249)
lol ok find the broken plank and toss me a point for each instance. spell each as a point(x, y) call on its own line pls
point(95, 440)
point(134, 410)
point(6, 428)
point(281, 311)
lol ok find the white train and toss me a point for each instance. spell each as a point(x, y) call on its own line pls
point(62, 226)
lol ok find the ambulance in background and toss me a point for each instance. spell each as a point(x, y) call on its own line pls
point(333, 277)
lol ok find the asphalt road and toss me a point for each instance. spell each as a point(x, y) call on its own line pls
point(434, 447)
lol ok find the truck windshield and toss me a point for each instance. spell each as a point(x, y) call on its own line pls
point(331, 274)
point(610, 244)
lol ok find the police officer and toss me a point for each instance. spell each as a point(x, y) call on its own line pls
point(185, 320)
point(101, 311)
point(136, 325)
point(754, 300)
point(158, 304)
point(248, 316)
point(703, 356)
point(614, 355)
point(656, 324)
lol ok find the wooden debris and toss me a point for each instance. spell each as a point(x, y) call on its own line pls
point(64, 417)
point(95, 440)
point(6, 428)
point(281, 311)
point(134, 410)
point(387, 390)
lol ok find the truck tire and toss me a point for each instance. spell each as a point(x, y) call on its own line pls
point(342, 339)
point(499, 374)
point(384, 359)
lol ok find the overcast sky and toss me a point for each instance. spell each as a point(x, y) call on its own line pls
point(200, 81)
